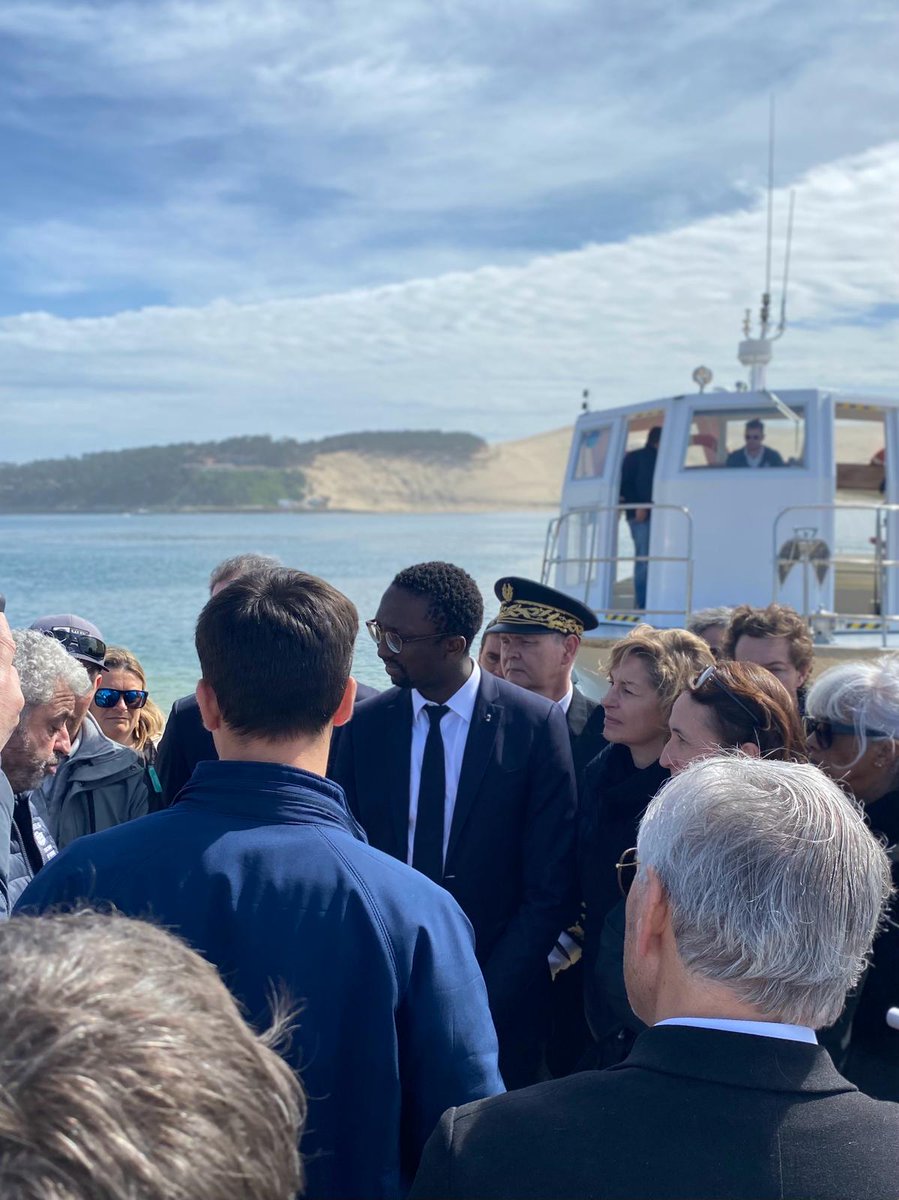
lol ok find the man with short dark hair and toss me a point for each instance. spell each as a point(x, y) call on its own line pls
point(262, 868)
point(776, 638)
point(756, 891)
point(469, 779)
point(637, 475)
point(755, 453)
point(127, 1071)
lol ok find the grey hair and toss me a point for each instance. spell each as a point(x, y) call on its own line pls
point(128, 1073)
point(775, 882)
point(709, 618)
point(241, 564)
point(864, 695)
point(42, 662)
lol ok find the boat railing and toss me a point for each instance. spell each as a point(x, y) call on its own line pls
point(589, 562)
point(811, 552)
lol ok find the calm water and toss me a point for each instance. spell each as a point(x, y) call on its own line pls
point(143, 579)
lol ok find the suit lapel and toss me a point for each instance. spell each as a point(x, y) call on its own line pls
point(578, 713)
point(478, 752)
point(399, 754)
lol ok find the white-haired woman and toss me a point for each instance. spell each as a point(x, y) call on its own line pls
point(853, 735)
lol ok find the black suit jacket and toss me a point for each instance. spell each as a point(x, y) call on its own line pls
point(510, 858)
point(186, 741)
point(691, 1113)
point(586, 719)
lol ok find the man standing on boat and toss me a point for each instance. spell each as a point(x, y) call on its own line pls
point(637, 472)
point(755, 453)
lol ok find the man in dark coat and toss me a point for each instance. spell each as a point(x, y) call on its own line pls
point(755, 453)
point(485, 805)
point(756, 891)
point(540, 631)
point(261, 867)
point(637, 474)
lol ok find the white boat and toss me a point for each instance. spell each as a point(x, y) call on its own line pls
point(820, 533)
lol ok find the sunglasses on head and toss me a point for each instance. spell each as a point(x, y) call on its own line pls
point(823, 731)
point(710, 675)
point(76, 642)
point(109, 697)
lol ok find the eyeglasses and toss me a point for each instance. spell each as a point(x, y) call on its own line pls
point(109, 697)
point(711, 674)
point(628, 863)
point(393, 640)
point(77, 643)
point(823, 731)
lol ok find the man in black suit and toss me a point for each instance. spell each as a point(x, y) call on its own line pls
point(757, 893)
point(469, 779)
point(540, 632)
point(186, 741)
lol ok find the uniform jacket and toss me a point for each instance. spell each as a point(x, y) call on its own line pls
point(510, 857)
point(186, 741)
point(263, 870)
point(691, 1114)
point(100, 785)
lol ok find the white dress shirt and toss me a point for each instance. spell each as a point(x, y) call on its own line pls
point(454, 729)
point(787, 1033)
point(565, 702)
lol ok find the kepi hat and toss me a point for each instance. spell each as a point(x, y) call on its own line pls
point(531, 607)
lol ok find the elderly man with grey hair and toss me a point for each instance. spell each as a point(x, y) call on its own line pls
point(756, 891)
point(50, 681)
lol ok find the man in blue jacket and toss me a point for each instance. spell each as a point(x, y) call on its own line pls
point(262, 868)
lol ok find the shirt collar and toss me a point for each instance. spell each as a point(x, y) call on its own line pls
point(461, 702)
point(565, 702)
point(787, 1033)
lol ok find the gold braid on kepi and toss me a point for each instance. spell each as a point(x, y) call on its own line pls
point(521, 612)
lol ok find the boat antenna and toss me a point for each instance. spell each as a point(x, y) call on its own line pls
point(782, 323)
point(766, 295)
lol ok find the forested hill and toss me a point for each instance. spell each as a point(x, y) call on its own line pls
point(237, 473)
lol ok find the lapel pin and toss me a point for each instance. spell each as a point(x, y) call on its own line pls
point(488, 716)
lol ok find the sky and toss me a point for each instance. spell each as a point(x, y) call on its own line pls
point(301, 218)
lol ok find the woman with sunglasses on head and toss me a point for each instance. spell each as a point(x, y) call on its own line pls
point(853, 735)
point(648, 669)
point(733, 706)
point(124, 711)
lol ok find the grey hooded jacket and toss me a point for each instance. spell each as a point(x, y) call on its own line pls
point(100, 785)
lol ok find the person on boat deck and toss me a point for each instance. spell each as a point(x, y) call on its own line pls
point(775, 638)
point(853, 726)
point(648, 670)
point(489, 654)
point(753, 894)
point(637, 473)
point(711, 625)
point(755, 453)
point(261, 867)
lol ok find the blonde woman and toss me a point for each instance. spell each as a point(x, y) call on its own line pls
point(124, 711)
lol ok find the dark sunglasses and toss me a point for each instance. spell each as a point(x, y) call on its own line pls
point(823, 731)
point(109, 697)
point(393, 640)
point(627, 870)
point(710, 674)
point(77, 643)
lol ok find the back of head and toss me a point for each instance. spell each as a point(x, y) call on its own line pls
point(127, 1072)
point(42, 662)
point(776, 884)
point(709, 618)
point(672, 658)
point(240, 564)
point(748, 704)
point(777, 620)
point(276, 647)
point(455, 604)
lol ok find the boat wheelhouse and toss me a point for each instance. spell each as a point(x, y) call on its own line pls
point(820, 532)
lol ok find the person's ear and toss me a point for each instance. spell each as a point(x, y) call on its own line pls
point(209, 707)
point(750, 749)
point(653, 915)
point(456, 645)
point(345, 707)
point(572, 643)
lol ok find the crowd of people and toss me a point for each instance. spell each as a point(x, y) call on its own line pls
point(477, 934)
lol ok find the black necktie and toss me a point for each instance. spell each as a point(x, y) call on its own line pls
point(427, 848)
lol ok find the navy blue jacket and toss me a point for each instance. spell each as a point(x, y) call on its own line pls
point(263, 869)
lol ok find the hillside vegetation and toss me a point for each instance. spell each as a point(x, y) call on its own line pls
point(237, 473)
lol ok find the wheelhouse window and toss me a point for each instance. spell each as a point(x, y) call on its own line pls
point(590, 461)
point(750, 438)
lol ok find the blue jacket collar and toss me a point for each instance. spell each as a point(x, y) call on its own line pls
point(270, 793)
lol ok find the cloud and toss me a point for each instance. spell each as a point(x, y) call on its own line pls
point(501, 350)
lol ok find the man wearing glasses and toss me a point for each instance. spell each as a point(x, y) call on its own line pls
point(99, 783)
point(469, 779)
point(754, 892)
point(755, 453)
